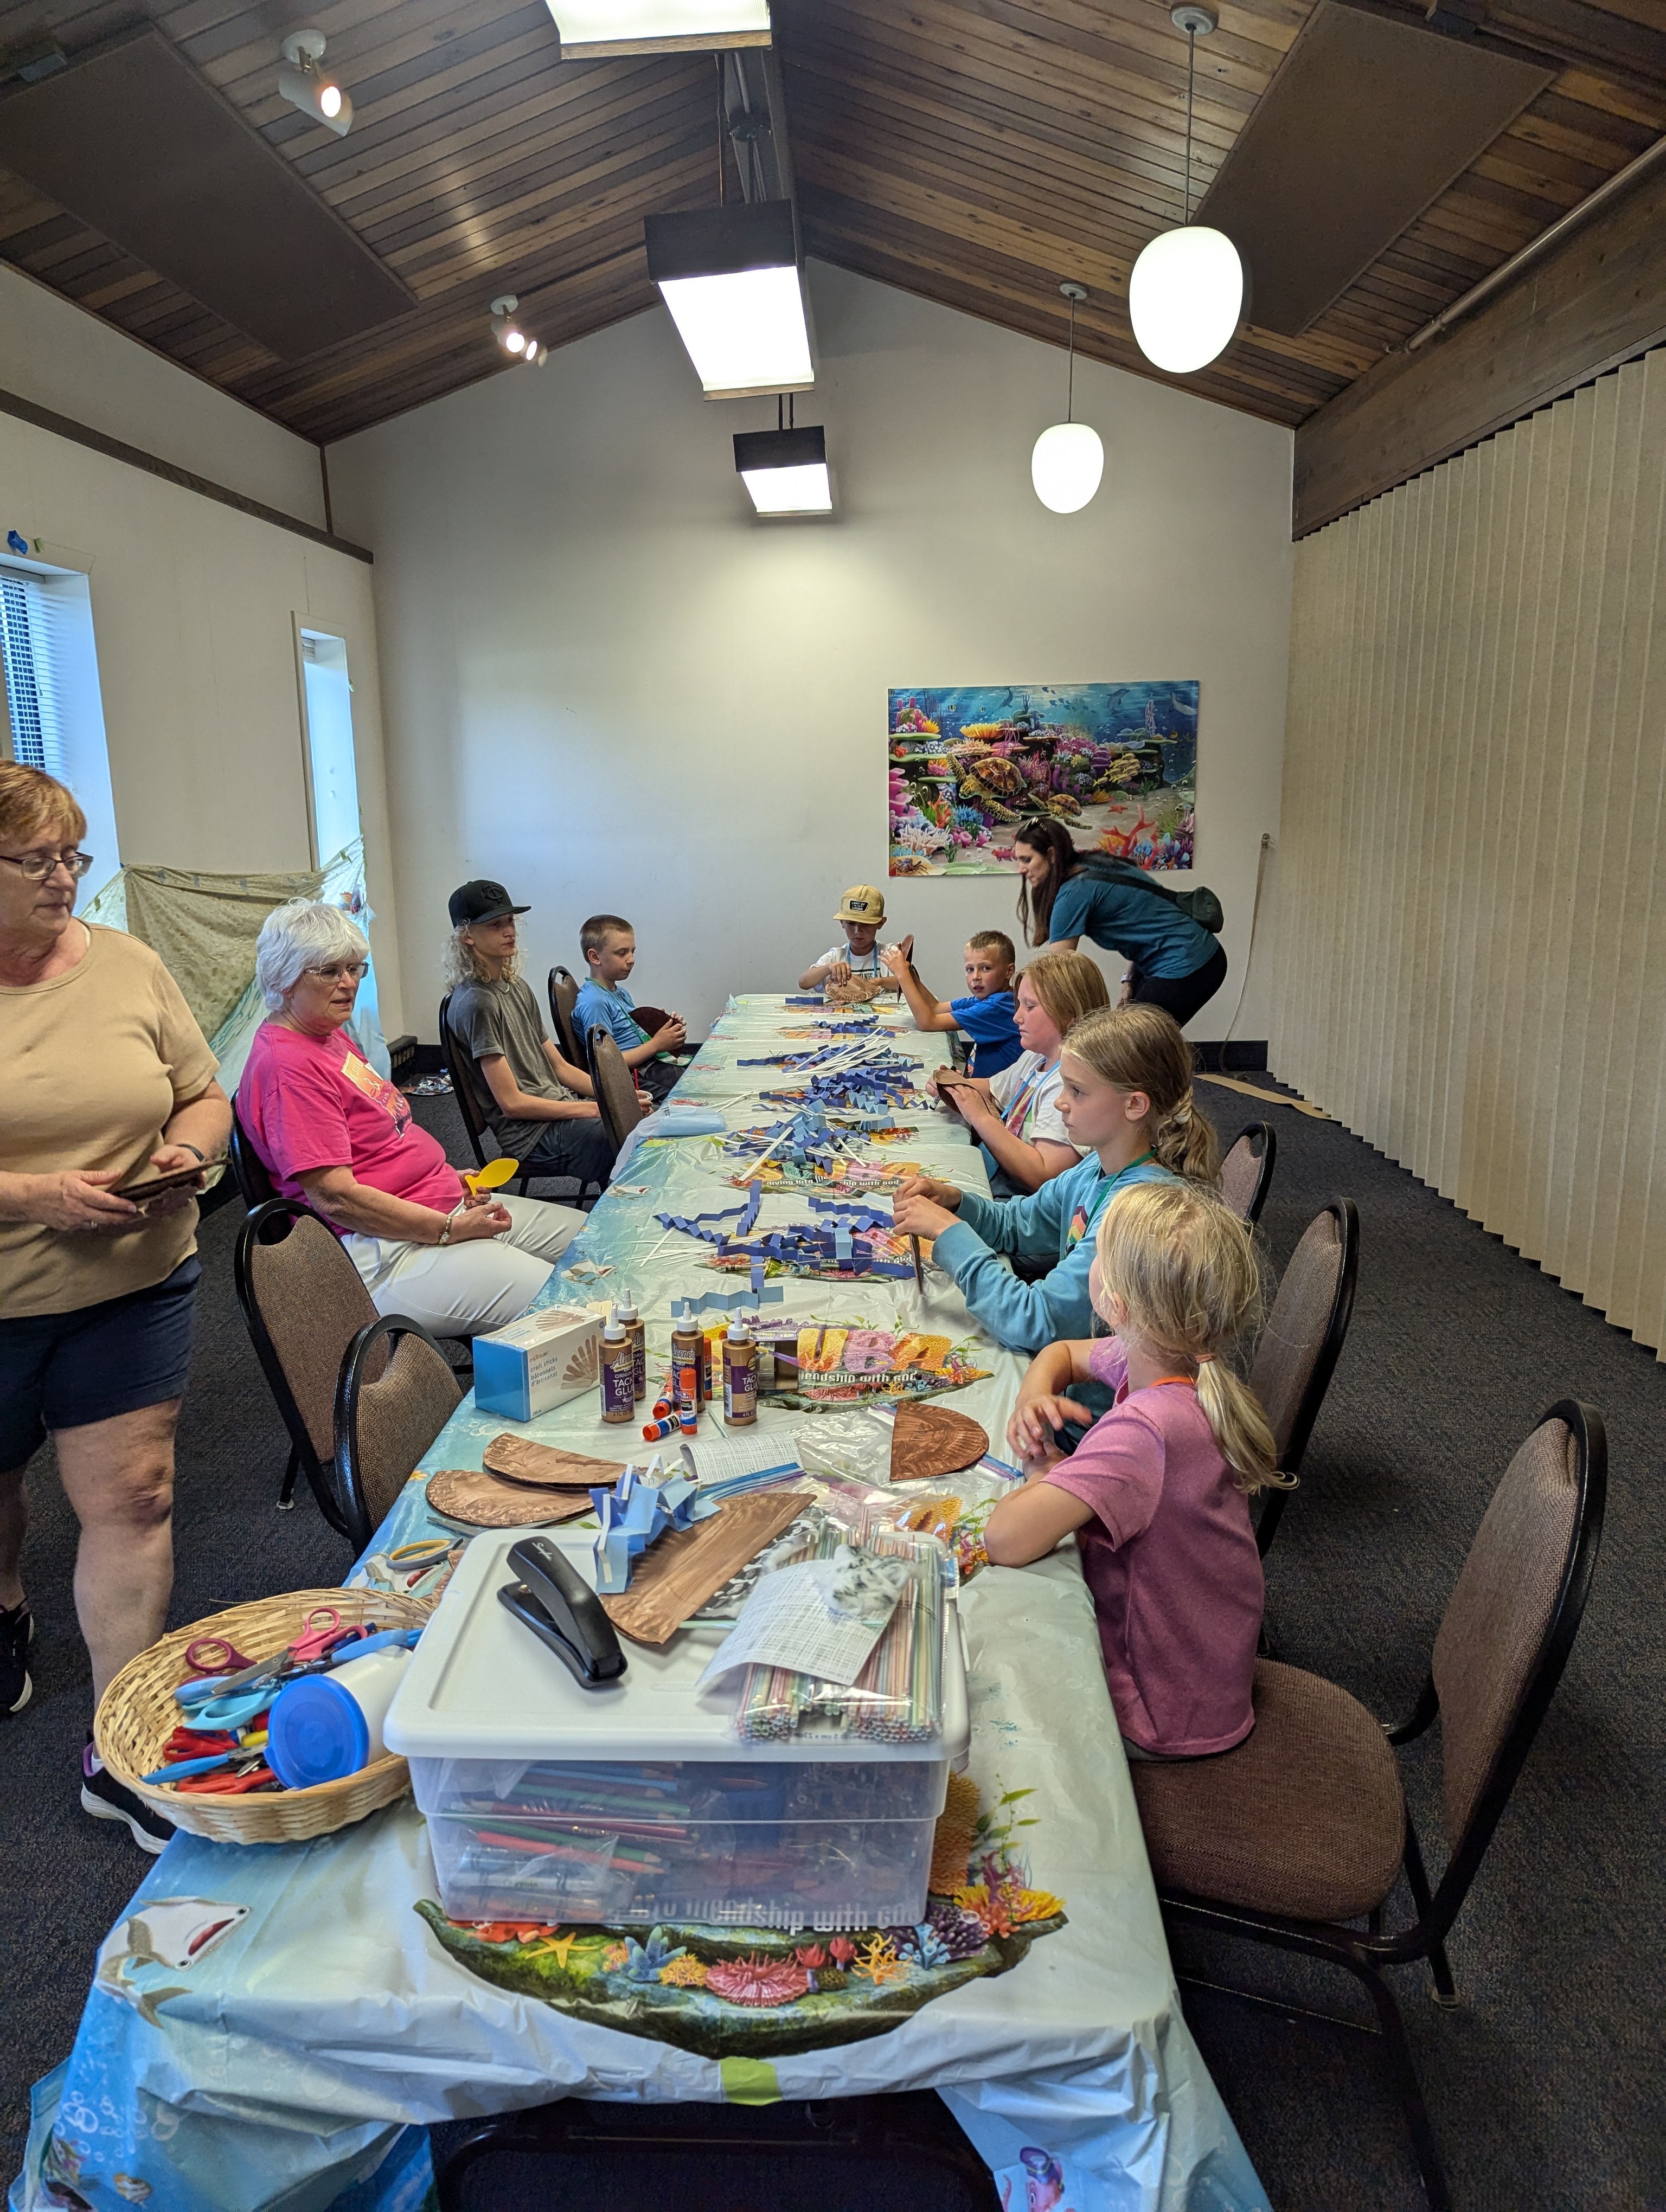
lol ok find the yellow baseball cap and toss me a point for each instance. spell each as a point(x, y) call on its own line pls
point(863, 902)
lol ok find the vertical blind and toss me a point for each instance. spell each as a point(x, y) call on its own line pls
point(30, 620)
point(1468, 922)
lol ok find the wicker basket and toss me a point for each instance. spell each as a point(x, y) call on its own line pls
point(137, 1714)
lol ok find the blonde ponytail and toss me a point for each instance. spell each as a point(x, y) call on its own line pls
point(1184, 1266)
point(1139, 1047)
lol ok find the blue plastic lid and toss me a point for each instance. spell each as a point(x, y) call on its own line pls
point(316, 1733)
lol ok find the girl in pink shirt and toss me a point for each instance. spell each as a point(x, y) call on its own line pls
point(1157, 1490)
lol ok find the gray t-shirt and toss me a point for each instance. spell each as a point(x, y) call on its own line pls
point(489, 1018)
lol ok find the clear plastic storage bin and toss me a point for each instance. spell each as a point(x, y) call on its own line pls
point(747, 1844)
point(636, 1802)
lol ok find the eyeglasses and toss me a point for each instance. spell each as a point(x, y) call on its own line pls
point(37, 866)
point(353, 970)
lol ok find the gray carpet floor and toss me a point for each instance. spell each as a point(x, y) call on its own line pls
point(1547, 2086)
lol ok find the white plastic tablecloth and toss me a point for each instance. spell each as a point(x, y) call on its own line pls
point(289, 2059)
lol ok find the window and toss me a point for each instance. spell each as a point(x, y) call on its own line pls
point(333, 774)
point(54, 711)
point(36, 739)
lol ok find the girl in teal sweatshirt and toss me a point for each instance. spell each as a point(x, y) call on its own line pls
point(1128, 1093)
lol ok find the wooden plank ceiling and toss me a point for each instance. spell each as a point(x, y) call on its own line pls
point(975, 151)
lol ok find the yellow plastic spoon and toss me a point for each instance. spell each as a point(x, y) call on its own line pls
point(492, 1176)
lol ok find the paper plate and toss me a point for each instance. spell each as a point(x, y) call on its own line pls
point(547, 1467)
point(931, 1439)
point(475, 1500)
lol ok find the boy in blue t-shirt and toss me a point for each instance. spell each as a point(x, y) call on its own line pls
point(985, 1014)
point(609, 945)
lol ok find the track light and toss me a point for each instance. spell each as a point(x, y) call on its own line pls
point(305, 86)
point(730, 277)
point(510, 336)
point(785, 471)
point(591, 27)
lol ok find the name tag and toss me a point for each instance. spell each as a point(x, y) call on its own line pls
point(377, 1088)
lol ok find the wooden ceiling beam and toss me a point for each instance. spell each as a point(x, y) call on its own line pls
point(1593, 300)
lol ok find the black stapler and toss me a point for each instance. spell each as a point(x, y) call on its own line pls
point(562, 1611)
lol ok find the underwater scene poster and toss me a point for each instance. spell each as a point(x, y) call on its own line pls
point(1116, 762)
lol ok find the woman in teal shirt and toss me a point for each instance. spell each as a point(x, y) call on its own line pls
point(1176, 964)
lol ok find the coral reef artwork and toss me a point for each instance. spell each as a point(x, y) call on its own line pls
point(764, 1993)
point(1117, 763)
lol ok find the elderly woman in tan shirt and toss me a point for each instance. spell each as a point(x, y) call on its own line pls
point(105, 1080)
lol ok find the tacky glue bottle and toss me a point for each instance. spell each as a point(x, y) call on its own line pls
point(618, 1370)
point(739, 1377)
point(687, 1344)
point(636, 1329)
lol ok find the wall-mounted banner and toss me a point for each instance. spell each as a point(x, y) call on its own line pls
point(1116, 762)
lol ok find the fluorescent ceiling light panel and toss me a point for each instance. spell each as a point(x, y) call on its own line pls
point(785, 471)
point(659, 26)
point(730, 278)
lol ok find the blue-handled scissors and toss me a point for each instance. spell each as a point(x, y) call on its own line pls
point(236, 1710)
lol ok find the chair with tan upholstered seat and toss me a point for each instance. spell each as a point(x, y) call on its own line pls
point(1303, 1341)
point(611, 1079)
point(1246, 1172)
point(303, 1300)
point(397, 1392)
point(1303, 1827)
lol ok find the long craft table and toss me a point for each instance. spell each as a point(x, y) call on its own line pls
point(294, 2059)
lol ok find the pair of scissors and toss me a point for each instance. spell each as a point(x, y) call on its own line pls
point(253, 1776)
point(322, 1628)
point(215, 1654)
point(237, 1709)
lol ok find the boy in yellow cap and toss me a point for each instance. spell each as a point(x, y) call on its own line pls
point(861, 915)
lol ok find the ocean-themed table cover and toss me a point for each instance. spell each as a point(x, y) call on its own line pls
point(272, 2026)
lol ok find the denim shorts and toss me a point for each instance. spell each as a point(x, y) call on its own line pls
point(64, 1370)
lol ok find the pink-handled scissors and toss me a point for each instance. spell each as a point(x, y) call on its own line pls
point(321, 1630)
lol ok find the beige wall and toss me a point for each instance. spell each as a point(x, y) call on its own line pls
point(193, 606)
point(610, 688)
point(1468, 922)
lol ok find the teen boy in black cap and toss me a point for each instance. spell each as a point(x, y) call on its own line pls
point(539, 1107)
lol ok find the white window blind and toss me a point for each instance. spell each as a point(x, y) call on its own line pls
point(30, 626)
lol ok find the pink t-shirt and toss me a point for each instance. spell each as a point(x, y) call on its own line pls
point(1170, 1559)
point(317, 1103)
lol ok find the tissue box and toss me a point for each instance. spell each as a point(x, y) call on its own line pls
point(537, 1362)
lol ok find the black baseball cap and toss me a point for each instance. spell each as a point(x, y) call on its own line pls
point(480, 901)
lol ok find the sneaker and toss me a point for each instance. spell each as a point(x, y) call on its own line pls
point(16, 1634)
point(103, 1796)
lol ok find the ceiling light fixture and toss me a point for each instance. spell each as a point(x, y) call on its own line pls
point(509, 334)
point(599, 27)
point(1068, 459)
point(305, 86)
point(785, 470)
point(730, 277)
point(1186, 293)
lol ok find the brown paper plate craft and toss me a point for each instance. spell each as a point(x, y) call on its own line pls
point(548, 1467)
point(475, 1499)
point(678, 1573)
point(931, 1440)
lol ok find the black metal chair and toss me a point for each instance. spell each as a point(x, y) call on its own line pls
point(1246, 1173)
point(564, 997)
point(1303, 1341)
point(303, 1302)
point(1302, 1828)
point(396, 1393)
point(617, 1101)
point(254, 1177)
point(850, 2151)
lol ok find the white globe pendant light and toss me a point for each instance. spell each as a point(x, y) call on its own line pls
point(1069, 459)
point(1186, 293)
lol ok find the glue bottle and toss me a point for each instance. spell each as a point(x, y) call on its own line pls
point(687, 1344)
point(636, 1329)
point(618, 1370)
point(739, 1377)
